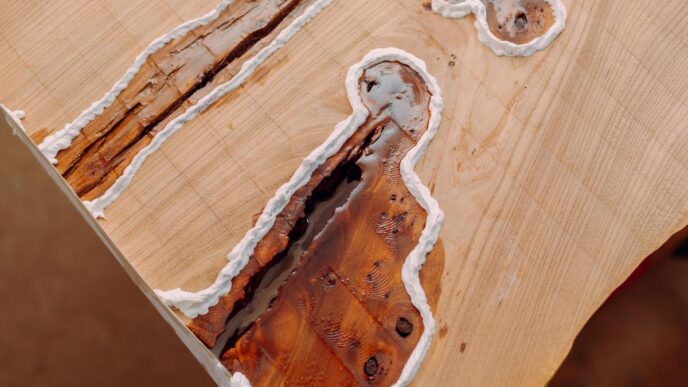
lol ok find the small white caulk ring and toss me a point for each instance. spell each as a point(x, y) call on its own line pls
point(62, 139)
point(485, 35)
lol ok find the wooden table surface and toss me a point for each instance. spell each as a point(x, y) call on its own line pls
point(558, 173)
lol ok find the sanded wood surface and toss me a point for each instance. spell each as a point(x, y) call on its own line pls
point(558, 173)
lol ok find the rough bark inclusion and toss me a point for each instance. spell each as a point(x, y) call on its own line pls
point(321, 298)
point(320, 207)
point(519, 21)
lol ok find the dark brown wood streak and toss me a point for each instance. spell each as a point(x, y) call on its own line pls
point(341, 314)
point(171, 80)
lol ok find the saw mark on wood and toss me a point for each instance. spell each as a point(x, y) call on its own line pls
point(339, 245)
point(166, 85)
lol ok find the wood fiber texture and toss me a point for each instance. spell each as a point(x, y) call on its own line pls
point(558, 173)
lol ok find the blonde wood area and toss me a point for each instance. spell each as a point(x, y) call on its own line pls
point(558, 173)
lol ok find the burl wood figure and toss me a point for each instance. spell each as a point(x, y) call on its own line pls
point(341, 314)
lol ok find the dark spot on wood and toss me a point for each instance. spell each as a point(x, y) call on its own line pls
point(443, 330)
point(404, 327)
point(370, 367)
point(528, 23)
point(330, 280)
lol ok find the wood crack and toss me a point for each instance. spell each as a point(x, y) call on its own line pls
point(167, 82)
point(342, 294)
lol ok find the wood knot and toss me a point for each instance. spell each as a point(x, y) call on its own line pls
point(521, 21)
point(404, 327)
point(370, 368)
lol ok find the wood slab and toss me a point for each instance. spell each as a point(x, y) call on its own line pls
point(558, 173)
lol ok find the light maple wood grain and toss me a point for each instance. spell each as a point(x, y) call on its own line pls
point(558, 173)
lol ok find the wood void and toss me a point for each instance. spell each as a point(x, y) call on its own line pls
point(341, 311)
point(171, 80)
point(519, 21)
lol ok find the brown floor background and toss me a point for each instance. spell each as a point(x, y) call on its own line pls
point(639, 337)
point(70, 315)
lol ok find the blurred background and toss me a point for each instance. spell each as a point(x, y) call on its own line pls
point(72, 317)
point(639, 337)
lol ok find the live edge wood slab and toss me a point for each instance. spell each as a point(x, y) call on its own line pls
point(558, 173)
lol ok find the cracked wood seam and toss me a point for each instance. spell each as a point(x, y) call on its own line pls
point(343, 300)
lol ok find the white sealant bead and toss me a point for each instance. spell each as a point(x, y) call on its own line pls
point(192, 304)
point(461, 8)
point(239, 380)
point(16, 116)
point(62, 139)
